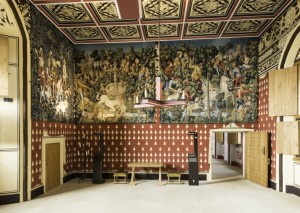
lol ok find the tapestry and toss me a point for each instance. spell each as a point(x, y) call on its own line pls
point(217, 78)
point(52, 62)
point(110, 79)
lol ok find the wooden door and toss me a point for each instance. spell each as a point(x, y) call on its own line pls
point(256, 167)
point(52, 169)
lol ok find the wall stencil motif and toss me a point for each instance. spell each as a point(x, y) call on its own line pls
point(219, 81)
point(4, 19)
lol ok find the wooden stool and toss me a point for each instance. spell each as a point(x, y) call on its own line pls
point(122, 175)
point(174, 177)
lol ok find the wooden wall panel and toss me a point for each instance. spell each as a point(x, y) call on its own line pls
point(232, 138)
point(283, 92)
point(3, 66)
point(219, 137)
point(290, 91)
point(287, 138)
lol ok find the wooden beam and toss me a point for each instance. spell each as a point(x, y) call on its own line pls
point(128, 9)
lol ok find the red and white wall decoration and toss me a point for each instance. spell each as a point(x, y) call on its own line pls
point(265, 122)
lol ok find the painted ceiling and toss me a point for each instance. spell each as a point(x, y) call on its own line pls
point(94, 21)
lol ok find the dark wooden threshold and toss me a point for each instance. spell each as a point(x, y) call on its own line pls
point(293, 190)
point(9, 199)
point(37, 191)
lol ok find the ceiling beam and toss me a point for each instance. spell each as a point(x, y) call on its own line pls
point(128, 9)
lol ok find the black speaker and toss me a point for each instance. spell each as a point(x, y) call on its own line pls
point(193, 170)
point(97, 168)
point(98, 161)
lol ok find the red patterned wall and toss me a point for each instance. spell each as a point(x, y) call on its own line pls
point(124, 143)
point(168, 143)
point(265, 122)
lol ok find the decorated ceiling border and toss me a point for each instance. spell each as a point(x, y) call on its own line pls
point(273, 41)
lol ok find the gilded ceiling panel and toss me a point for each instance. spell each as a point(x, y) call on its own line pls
point(204, 28)
point(123, 32)
point(68, 13)
point(106, 11)
point(210, 8)
point(85, 33)
point(166, 30)
point(167, 9)
point(247, 26)
point(259, 6)
point(200, 18)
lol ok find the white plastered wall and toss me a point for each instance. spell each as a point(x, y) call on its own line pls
point(12, 31)
point(11, 138)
